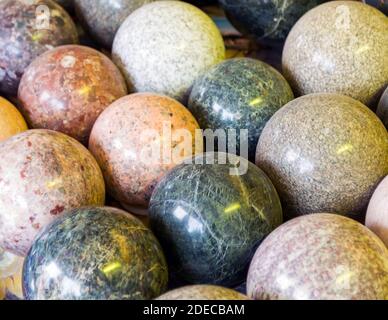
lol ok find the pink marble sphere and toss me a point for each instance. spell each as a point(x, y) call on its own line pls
point(137, 140)
point(320, 257)
point(42, 174)
point(377, 215)
point(67, 88)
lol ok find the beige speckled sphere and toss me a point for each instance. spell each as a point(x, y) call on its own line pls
point(320, 257)
point(377, 215)
point(164, 46)
point(341, 47)
point(203, 292)
point(324, 153)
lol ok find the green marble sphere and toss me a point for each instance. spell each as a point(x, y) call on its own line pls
point(95, 254)
point(210, 222)
point(239, 94)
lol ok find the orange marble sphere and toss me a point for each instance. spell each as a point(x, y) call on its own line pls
point(137, 140)
point(11, 120)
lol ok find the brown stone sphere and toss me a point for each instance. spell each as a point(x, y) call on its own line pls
point(324, 153)
point(320, 257)
point(203, 292)
point(67, 88)
point(131, 138)
point(11, 121)
point(377, 214)
point(339, 47)
point(42, 174)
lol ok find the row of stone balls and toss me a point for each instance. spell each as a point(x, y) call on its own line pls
point(27, 171)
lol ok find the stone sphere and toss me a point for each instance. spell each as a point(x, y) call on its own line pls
point(11, 267)
point(377, 214)
point(320, 257)
point(102, 19)
point(203, 292)
point(239, 94)
point(165, 45)
point(211, 220)
point(137, 140)
point(95, 254)
point(339, 47)
point(324, 153)
point(266, 19)
point(42, 174)
point(27, 29)
point(382, 109)
point(67, 88)
point(11, 121)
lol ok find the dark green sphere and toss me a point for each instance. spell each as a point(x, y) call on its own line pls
point(239, 94)
point(210, 222)
point(95, 254)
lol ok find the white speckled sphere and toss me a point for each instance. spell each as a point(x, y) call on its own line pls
point(339, 47)
point(164, 46)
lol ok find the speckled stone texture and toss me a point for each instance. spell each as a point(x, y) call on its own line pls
point(10, 275)
point(203, 292)
point(339, 47)
point(320, 257)
point(165, 45)
point(11, 121)
point(102, 18)
point(382, 109)
point(24, 37)
point(95, 254)
point(210, 222)
point(266, 19)
point(377, 214)
point(382, 5)
point(67, 88)
point(239, 94)
point(42, 174)
point(324, 153)
point(137, 141)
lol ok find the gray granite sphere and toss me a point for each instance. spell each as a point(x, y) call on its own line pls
point(102, 18)
point(210, 221)
point(324, 153)
point(239, 94)
point(339, 47)
point(165, 45)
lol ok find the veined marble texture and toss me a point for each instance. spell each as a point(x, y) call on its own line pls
point(42, 174)
point(203, 292)
point(24, 36)
point(339, 47)
point(165, 45)
point(95, 254)
point(210, 222)
point(320, 257)
point(266, 19)
point(324, 153)
point(239, 94)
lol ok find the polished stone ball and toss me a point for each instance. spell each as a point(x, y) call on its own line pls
point(95, 254)
point(28, 29)
point(210, 214)
point(320, 257)
point(324, 153)
point(203, 292)
point(165, 45)
point(339, 47)
point(42, 174)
